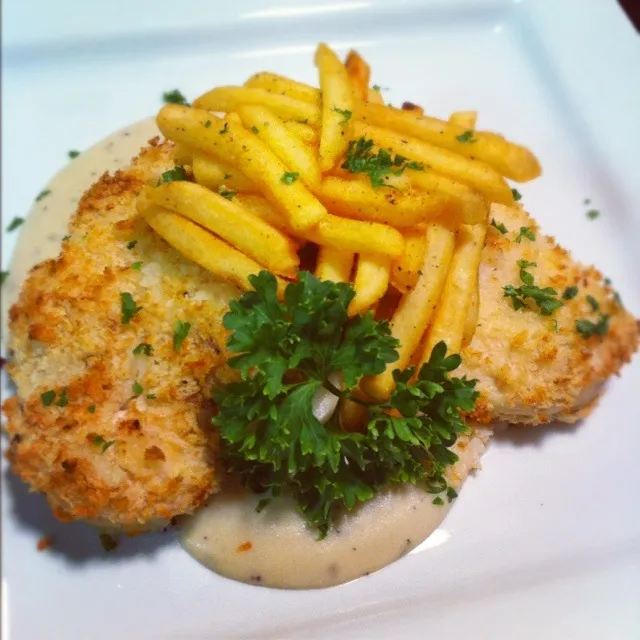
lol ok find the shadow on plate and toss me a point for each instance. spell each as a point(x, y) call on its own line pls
point(77, 542)
point(527, 436)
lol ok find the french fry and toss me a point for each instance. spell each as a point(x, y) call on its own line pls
point(470, 206)
point(405, 271)
point(337, 107)
point(352, 415)
point(465, 119)
point(334, 264)
point(509, 159)
point(228, 99)
point(451, 314)
point(282, 85)
point(182, 154)
point(359, 73)
point(358, 199)
point(370, 282)
point(476, 174)
point(213, 174)
point(471, 322)
point(374, 96)
point(306, 133)
point(340, 233)
point(286, 145)
point(200, 246)
point(416, 307)
point(241, 229)
point(230, 142)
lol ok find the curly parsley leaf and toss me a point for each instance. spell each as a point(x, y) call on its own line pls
point(174, 97)
point(287, 351)
point(525, 232)
point(516, 195)
point(173, 175)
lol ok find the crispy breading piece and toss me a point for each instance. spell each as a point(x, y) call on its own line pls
point(531, 370)
point(115, 455)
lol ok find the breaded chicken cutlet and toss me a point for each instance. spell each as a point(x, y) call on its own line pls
point(133, 446)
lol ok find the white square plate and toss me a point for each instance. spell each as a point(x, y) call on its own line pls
point(545, 541)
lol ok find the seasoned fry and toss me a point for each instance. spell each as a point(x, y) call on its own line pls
point(228, 99)
point(334, 264)
point(470, 206)
point(286, 145)
point(306, 133)
point(476, 174)
point(370, 282)
point(211, 253)
point(375, 97)
point(405, 271)
point(471, 322)
point(337, 107)
point(358, 199)
point(282, 85)
point(230, 142)
point(182, 154)
point(341, 233)
point(464, 119)
point(451, 314)
point(510, 159)
point(416, 307)
point(244, 231)
point(359, 73)
point(213, 174)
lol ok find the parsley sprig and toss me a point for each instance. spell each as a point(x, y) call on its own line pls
point(287, 351)
point(546, 299)
point(361, 159)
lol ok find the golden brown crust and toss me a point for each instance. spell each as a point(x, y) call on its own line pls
point(66, 333)
point(529, 369)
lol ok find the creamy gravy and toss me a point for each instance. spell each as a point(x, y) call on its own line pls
point(274, 547)
point(45, 226)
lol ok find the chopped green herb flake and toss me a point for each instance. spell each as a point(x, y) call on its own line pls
point(286, 350)
point(128, 307)
point(47, 398)
point(227, 176)
point(516, 195)
point(224, 129)
point(570, 293)
point(607, 281)
point(345, 113)
point(15, 223)
point(143, 349)
point(136, 266)
point(63, 398)
point(65, 238)
point(174, 97)
point(132, 244)
point(173, 175)
point(255, 129)
point(525, 232)
point(545, 299)
point(137, 388)
point(207, 124)
point(73, 154)
point(303, 121)
point(438, 500)
point(466, 137)
point(361, 159)
point(452, 494)
point(618, 299)
point(289, 177)
point(3, 277)
point(499, 226)
point(592, 214)
point(587, 328)
point(226, 193)
point(593, 303)
point(151, 396)
point(180, 333)
point(91, 408)
point(43, 194)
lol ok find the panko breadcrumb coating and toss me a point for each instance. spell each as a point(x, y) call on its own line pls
point(533, 368)
point(133, 447)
